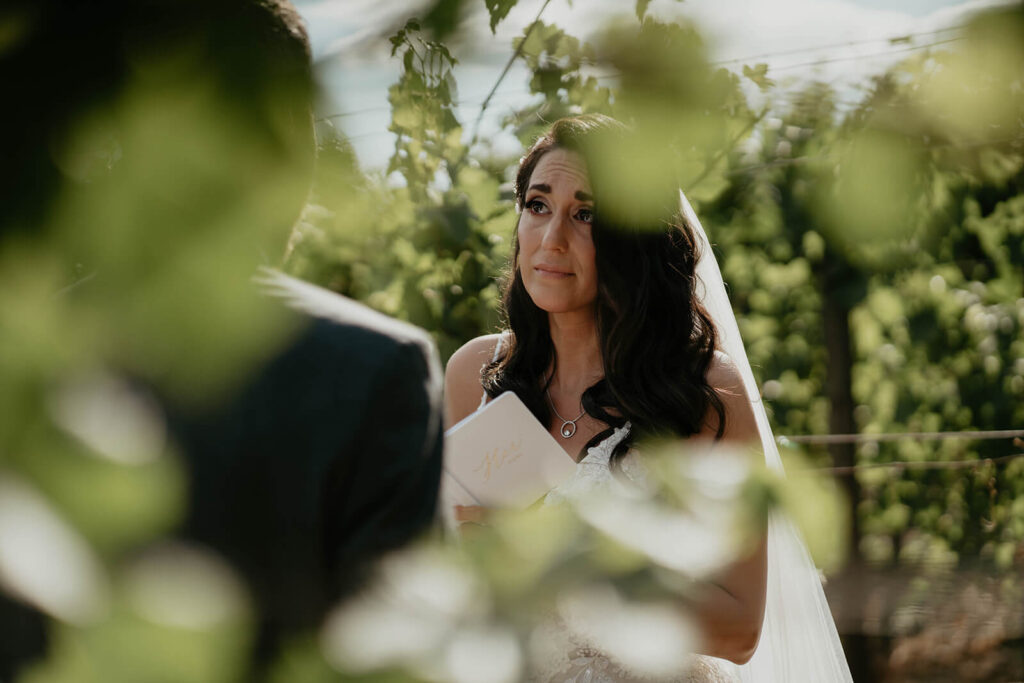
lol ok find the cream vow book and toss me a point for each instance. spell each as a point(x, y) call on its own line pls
point(501, 456)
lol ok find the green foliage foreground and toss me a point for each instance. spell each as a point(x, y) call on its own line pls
point(873, 255)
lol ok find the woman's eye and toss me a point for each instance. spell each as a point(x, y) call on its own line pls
point(585, 215)
point(536, 206)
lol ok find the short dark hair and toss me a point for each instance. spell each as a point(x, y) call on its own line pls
point(657, 340)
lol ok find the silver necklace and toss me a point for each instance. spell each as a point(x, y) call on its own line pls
point(568, 426)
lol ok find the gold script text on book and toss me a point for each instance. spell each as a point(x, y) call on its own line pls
point(498, 457)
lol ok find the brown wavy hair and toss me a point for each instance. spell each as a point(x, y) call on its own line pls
point(657, 340)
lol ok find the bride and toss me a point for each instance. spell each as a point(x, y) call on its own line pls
point(612, 338)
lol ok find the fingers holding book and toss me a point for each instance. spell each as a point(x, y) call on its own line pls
point(470, 519)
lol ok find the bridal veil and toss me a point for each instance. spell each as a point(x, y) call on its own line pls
point(799, 642)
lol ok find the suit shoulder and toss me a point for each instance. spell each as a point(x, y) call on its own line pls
point(332, 310)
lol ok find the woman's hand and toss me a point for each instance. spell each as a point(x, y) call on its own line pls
point(470, 513)
point(470, 518)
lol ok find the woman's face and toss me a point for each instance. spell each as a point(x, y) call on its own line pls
point(556, 250)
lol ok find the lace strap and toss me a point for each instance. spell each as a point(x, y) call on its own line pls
point(497, 350)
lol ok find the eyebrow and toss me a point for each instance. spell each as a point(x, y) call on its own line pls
point(543, 187)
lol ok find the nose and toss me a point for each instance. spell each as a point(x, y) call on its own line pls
point(556, 233)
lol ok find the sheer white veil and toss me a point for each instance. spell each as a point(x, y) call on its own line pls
point(799, 642)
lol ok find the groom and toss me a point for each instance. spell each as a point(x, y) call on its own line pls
point(328, 452)
point(327, 458)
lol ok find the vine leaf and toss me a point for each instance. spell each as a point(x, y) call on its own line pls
point(641, 8)
point(759, 75)
point(499, 9)
point(443, 18)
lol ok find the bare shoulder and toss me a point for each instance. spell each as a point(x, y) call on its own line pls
point(473, 355)
point(725, 378)
point(724, 375)
point(462, 377)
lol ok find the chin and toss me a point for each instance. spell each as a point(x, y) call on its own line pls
point(548, 303)
point(549, 307)
point(553, 305)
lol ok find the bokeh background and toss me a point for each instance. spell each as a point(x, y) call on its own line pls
point(869, 223)
point(861, 186)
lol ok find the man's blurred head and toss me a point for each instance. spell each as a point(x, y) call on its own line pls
point(183, 112)
point(160, 150)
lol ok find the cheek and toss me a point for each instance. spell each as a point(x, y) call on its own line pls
point(526, 238)
point(588, 256)
point(521, 249)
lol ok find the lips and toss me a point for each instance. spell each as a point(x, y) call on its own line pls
point(553, 271)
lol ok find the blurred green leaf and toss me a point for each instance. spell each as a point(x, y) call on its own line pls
point(498, 9)
point(759, 75)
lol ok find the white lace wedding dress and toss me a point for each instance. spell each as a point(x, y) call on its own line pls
point(566, 656)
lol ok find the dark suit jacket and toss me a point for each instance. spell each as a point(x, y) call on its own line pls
point(329, 457)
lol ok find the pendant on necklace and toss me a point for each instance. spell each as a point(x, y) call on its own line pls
point(568, 429)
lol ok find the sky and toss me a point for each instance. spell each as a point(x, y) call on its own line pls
point(794, 37)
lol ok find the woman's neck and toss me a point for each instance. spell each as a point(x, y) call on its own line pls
point(578, 362)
